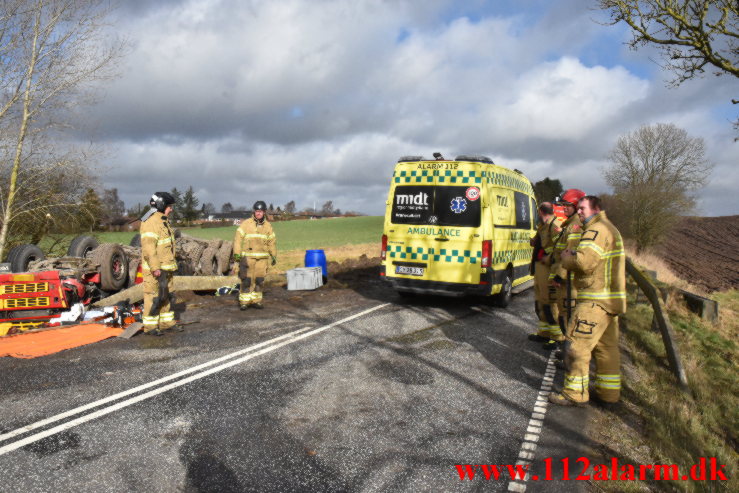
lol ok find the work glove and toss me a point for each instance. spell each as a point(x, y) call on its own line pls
point(237, 257)
point(274, 259)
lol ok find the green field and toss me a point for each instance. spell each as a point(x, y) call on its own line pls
point(291, 235)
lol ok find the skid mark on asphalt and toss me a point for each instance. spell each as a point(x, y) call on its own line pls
point(252, 351)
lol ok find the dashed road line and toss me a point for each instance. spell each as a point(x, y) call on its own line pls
point(536, 422)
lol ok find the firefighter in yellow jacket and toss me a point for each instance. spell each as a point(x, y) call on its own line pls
point(254, 248)
point(546, 293)
point(567, 238)
point(599, 266)
point(158, 264)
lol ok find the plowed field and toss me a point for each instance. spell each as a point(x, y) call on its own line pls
point(704, 251)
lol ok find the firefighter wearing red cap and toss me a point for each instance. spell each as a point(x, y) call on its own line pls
point(546, 293)
point(599, 267)
point(254, 246)
point(157, 260)
point(566, 238)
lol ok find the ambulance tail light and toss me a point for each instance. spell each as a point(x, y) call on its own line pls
point(383, 254)
point(487, 253)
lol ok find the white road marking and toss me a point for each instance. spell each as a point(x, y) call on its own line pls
point(291, 338)
point(533, 432)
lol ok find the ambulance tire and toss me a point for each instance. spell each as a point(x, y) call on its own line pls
point(502, 299)
point(113, 266)
point(81, 246)
point(24, 256)
point(135, 241)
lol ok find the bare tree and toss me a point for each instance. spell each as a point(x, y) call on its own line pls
point(53, 53)
point(654, 171)
point(692, 34)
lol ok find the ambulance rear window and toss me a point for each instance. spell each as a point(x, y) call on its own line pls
point(442, 205)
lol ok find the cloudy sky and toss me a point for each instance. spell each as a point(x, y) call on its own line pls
point(314, 100)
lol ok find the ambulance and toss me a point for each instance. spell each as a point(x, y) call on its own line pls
point(458, 227)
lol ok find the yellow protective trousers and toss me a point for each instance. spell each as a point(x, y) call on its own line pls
point(252, 272)
point(164, 317)
point(593, 332)
point(546, 304)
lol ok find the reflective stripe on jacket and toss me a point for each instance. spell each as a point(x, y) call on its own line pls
point(157, 244)
point(599, 265)
point(255, 240)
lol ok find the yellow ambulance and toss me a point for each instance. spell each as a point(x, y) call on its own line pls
point(458, 227)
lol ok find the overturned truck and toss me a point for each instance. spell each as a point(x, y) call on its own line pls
point(34, 289)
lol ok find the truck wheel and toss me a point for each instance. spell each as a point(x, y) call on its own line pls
point(224, 257)
point(506, 293)
point(24, 255)
point(209, 265)
point(13, 251)
point(81, 246)
point(135, 241)
point(113, 266)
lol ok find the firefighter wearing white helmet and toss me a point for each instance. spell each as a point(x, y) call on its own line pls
point(599, 267)
point(254, 247)
point(158, 264)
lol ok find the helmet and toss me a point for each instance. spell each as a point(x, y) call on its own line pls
point(572, 196)
point(160, 200)
point(259, 205)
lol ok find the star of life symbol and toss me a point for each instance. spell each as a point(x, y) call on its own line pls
point(459, 205)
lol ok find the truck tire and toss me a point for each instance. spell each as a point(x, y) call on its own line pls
point(503, 298)
point(81, 246)
point(24, 255)
point(224, 257)
point(113, 266)
point(13, 251)
point(135, 241)
point(209, 262)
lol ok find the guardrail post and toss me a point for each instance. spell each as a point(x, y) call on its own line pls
point(662, 321)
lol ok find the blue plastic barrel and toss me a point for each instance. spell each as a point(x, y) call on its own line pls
point(316, 258)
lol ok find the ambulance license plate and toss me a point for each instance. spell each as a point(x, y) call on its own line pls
point(409, 271)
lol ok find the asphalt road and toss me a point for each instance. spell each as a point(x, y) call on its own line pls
point(338, 392)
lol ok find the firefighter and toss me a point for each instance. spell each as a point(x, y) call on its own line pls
point(254, 246)
point(599, 267)
point(567, 237)
point(157, 260)
point(546, 293)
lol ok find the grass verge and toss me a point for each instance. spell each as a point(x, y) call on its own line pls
point(659, 424)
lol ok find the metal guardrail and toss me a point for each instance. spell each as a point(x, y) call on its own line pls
point(662, 321)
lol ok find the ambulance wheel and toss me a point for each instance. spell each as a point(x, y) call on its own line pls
point(135, 241)
point(113, 266)
point(506, 292)
point(24, 256)
point(81, 246)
